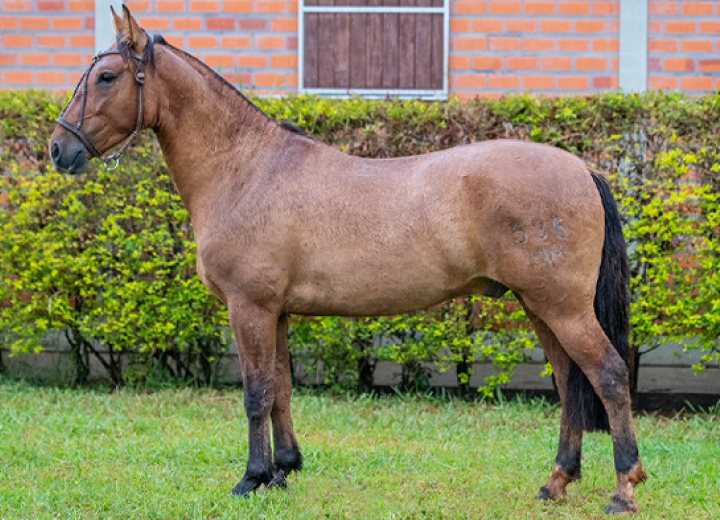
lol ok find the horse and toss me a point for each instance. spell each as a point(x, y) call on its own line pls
point(285, 224)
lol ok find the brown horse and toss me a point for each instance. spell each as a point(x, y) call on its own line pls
point(285, 224)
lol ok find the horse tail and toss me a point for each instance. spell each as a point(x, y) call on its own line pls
point(612, 302)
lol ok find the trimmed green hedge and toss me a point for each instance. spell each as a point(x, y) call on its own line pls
point(108, 258)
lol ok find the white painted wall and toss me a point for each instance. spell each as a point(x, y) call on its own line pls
point(633, 45)
point(104, 29)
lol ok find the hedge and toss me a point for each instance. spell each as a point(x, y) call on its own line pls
point(108, 258)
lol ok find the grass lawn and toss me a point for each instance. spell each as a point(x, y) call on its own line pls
point(177, 453)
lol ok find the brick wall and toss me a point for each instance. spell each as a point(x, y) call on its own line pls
point(539, 45)
point(545, 46)
point(253, 43)
point(684, 45)
point(45, 43)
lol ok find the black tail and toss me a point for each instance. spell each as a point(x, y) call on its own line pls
point(611, 304)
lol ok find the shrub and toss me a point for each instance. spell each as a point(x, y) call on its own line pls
point(673, 225)
point(109, 258)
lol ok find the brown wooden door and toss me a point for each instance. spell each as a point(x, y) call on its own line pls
point(387, 51)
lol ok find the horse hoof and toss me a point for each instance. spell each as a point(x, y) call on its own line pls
point(544, 494)
point(243, 489)
point(247, 485)
point(619, 505)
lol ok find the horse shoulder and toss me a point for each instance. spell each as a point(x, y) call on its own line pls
point(233, 260)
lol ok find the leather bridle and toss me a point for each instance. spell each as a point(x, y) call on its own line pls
point(76, 129)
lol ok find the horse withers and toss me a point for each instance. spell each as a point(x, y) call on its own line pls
point(285, 224)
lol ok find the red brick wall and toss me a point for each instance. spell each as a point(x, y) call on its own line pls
point(544, 46)
point(45, 43)
point(253, 43)
point(547, 46)
point(684, 45)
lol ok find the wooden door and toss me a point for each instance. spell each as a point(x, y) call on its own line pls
point(376, 47)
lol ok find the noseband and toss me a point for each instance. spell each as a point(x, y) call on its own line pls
point(77, 128)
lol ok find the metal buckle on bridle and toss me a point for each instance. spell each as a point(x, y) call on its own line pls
point(77, 128)
point(113, 157)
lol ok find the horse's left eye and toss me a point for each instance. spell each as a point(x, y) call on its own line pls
point(106, 77)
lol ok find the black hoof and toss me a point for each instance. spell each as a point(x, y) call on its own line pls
point(249, 484)
point(544, 494)
point(618, 505)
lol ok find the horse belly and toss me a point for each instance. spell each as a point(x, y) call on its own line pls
point(388, 285)
point(372, 300)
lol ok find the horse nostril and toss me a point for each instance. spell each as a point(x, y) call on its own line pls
point(55, 151)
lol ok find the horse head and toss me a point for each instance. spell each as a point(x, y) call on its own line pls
point(107, 108)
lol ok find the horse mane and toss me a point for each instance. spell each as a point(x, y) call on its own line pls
point(125, 49)
point(149, 55)
point(292, 128)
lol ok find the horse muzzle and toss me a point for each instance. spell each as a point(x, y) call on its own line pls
point(69, 155)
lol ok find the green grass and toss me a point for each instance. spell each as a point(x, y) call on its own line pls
point(177, 453)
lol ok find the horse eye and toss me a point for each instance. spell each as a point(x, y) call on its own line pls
point(105, 77)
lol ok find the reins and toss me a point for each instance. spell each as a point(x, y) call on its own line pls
point(76, 129)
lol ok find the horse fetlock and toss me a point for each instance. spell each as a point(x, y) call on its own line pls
point(288, 460)
point(554, 489)
point(622, 500)
point(636, 475)
point(626, 482)
point(568, 462)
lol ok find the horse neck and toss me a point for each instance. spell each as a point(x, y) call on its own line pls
point(206, 130)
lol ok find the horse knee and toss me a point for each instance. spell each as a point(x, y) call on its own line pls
point(258, 401)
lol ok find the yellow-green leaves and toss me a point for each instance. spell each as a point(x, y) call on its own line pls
point(108, 257)
point(111, 255)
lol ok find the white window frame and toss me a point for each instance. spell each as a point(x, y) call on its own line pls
point(429, 94)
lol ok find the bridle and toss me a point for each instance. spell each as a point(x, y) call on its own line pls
point(77, 129)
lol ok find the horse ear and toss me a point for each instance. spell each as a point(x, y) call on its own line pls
point(133, 33)
point(117, 22)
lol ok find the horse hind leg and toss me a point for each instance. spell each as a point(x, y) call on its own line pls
point(584, 341)
point(567, 461)
point(286, 453)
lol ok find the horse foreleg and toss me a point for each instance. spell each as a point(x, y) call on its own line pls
point(254, 329)
point(287, 455)
point(567, 461)
point(586, 343)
